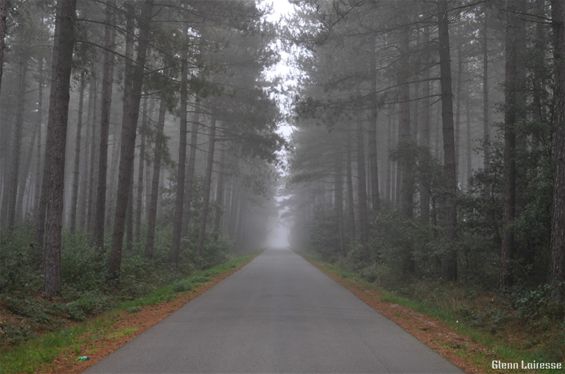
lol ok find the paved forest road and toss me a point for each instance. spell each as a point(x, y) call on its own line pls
point(279, 314)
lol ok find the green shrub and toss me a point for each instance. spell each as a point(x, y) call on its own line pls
point(182, 286)
point(13, 334)
point(89, 303)
point(19, 261)
point(27, 307)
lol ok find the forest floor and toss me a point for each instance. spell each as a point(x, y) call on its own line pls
point(470, 348)
point(81, 344)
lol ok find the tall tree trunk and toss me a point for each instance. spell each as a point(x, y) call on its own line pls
point(140, 172)
point(425, 185)
point(362, 187)
point(458, 99)
point(22, 206)
point(132, 98)
point(54, 175)
point(220, 192)
point(3, 15)
point(181, 171)
point(372, 138)
point(129, 221)
point(191, 162)
point(468, 140)
point(514, 91)
point(82, 211)
point(39, 170)
point(206, 189)
point(538, 81)
point(76, 171)
point(389, 171)
point(157, 157)
point(450, 260)
point(557, 270)
point(486, 120)
point(350, 201)
point(93, 159)
point(338, 197)
point(107, 82)
point(12, 196)
point(405, 146)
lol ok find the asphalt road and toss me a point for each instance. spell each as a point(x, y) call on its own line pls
point(279, 314)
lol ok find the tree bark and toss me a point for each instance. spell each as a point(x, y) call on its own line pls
point(3, 15)
point(54, 174)
point(425, 133)
point(132, 97)
point(76, 171)
point(557, 271)
point(220, 192)
point(181, 171)
point(11, 197)
point(514, 91)
point(405, 146)
point(486, 120)
point(338, 198)
point(157, 157)
point(206, 189)
point(93, 158)
point(84, 189)
point(450, 173)
point(191, 163)
point(107, 82)
point(349, 181)
point(372, 133)
point(140, 172)
point(362, 187)
point(40, 86)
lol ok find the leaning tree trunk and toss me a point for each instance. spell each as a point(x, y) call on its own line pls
point(181, 173)
point(450, 173)
point(132, 98)
point(558, 216)
point(76, 171)
point(107, 81)
point(206, 189)
point(54, 174)
point(157, 157)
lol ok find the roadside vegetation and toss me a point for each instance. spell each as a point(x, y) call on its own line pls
point(35, 331)
point(431, 164)
point(508, 327)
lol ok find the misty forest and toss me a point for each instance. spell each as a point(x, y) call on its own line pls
point(413, 150)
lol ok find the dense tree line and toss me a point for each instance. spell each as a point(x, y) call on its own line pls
point(429, 140)
point(133, 123)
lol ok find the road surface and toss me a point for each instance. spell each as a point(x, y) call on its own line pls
point(279, 314)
